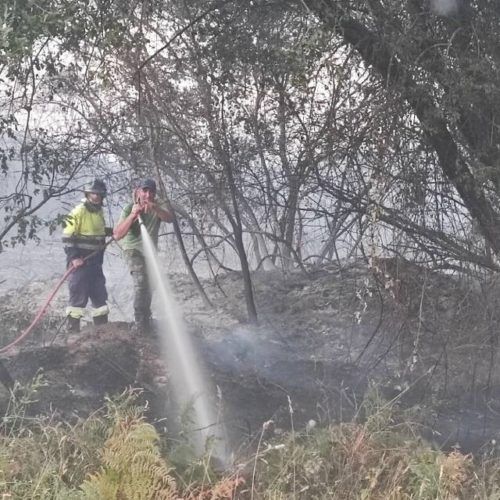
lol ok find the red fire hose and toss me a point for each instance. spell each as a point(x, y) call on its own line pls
point(44, 307)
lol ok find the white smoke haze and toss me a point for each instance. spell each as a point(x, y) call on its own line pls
point(444, 7)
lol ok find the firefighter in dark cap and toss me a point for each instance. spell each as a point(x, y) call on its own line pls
point(151, 214)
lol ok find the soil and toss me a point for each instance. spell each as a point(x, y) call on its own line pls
point(426, 341)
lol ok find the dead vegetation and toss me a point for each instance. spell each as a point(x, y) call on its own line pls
point(116, 454)
point(429, 350)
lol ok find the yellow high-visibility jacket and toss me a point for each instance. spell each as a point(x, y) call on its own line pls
point(84, 232)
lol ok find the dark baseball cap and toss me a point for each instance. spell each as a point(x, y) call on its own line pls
point(147, 184)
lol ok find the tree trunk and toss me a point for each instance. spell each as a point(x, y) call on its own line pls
point(377, 54)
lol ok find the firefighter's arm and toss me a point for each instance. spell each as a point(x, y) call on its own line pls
point(71, 223)
point(125, 223)
point(162, 213)
point(71, 229)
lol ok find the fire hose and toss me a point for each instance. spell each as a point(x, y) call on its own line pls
point(43, 309)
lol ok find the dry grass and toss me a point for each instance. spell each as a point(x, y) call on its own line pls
point(376, 459)
point(373, 459)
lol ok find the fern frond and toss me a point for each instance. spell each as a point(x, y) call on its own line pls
point(103, 486)
point(133, 467)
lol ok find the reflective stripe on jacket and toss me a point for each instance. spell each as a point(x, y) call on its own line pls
point(84, 229)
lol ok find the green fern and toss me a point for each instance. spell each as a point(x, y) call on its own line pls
point(132, 465)
point(103, 486)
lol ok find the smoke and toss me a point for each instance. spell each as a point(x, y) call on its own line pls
point(445, 7)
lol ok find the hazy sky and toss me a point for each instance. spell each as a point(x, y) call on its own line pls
point(444, 7)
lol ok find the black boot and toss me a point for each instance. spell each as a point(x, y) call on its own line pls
point(100, 320)
point(146, 325)
point(141, 325)
point(73, 325)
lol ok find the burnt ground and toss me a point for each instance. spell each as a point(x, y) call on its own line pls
point(426, 340)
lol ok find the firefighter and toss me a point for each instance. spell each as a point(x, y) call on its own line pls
point(151, 214)
point(84, 237)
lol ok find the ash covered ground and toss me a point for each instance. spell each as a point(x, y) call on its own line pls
point(419, 339)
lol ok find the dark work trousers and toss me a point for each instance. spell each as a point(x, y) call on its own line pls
point(142, 290)
point(87, 282)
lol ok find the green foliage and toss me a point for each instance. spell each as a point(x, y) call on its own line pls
point(284, 101)
point(25, 23)
point(133, 468)
point(21, 397)
point(44, 459)
point(40, 459)
point(115, 454)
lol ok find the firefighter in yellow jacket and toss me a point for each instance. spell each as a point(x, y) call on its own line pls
point(84, 243)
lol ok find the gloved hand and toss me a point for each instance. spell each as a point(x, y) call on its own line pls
point(77, 263)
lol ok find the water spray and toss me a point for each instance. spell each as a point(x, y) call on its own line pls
point(190, 385)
